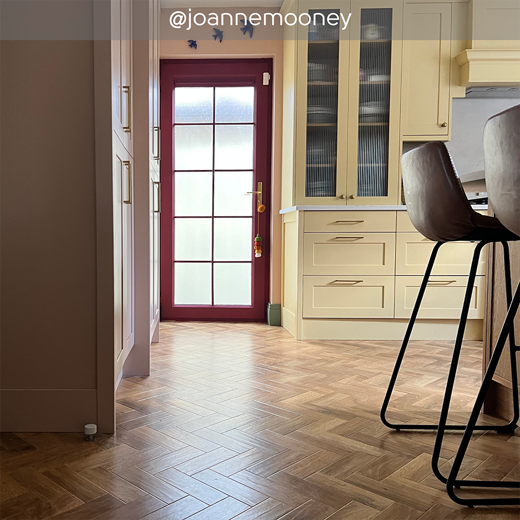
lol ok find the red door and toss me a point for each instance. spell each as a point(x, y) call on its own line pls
point(216, 152)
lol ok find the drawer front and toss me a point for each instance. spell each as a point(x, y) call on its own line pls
point(350, 221)
point(333, 297)
point(404, 224)
point(413, 253)
point(349, 254)
point(443, 297)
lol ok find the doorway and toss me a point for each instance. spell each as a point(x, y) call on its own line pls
point(216, 119)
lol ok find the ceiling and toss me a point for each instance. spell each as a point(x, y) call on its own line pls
point(221, 3)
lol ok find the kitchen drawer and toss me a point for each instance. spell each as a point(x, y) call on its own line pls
point(358, 297)
point(404, 224)
point(350, 221)
point(349, 254)
point(443, 297)
point(413, 253)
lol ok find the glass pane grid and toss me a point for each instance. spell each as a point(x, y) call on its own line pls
point(213, 219)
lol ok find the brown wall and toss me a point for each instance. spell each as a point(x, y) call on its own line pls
point(241, 47)
point(48, 236)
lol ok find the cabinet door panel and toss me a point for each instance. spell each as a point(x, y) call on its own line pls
point(349, 254)
point(121, 11)
point(123, 254)
point(329, 297)
point(374, 102)
point(443, 297)
point(426, 70)
point(322, 97)
point(413, 254)
point(155, 252)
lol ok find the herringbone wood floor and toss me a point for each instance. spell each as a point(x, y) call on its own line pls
point(244, 422)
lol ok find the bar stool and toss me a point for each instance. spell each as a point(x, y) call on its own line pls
point(502, 160)
point(439, 209)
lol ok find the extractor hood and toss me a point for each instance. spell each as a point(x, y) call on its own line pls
point(490, 56)
point(489, 67)
point(493, 92)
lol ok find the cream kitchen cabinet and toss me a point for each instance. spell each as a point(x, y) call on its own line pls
point(355, 274)
point(342, 99)
point(122, 85)
point(426, 71)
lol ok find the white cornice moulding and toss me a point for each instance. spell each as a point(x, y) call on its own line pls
point(489, 67)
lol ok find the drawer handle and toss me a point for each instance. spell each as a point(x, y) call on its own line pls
point(346, 281)
point(349, 222)
point(348, 238)
point(445, 282)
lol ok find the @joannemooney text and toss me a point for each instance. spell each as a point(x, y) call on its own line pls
point(182, 20)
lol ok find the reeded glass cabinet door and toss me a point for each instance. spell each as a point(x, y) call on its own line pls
point(374, 107)
point(322, 101)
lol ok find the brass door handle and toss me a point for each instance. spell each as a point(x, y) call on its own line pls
point(342, 197)
point(128, 165)
point(258, 193)
point(349, 222)
point(157, 156)
point(444, 282)
point(348, 238)
point(159, 198)
point(444, 125)
point(346, 281)
point(128, 128)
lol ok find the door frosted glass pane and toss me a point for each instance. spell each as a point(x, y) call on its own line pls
point(234, 147)
point(233, 239)
point(234, 104)
point(193, 194)
point(192, 239)
point(232, 284)
point(192, 284)
point(194, 147)
point(194, 105)
point(230, 194)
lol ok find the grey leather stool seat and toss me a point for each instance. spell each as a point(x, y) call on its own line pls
point(439, 209)
point(502, 162)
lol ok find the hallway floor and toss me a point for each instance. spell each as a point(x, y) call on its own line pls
point(244, 422)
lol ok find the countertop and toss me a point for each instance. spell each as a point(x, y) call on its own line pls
point(358, 208)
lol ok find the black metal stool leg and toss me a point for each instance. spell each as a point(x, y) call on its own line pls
point(404, 345)
point(452, 479)
point(402, 352)
point(512, 426)
point(442, 427)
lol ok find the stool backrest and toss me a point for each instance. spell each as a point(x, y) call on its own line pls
point(502, 163)
point(435, 199)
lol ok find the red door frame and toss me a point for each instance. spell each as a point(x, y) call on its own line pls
point(216, 73)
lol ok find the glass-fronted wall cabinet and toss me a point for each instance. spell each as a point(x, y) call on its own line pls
point(346, 79)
